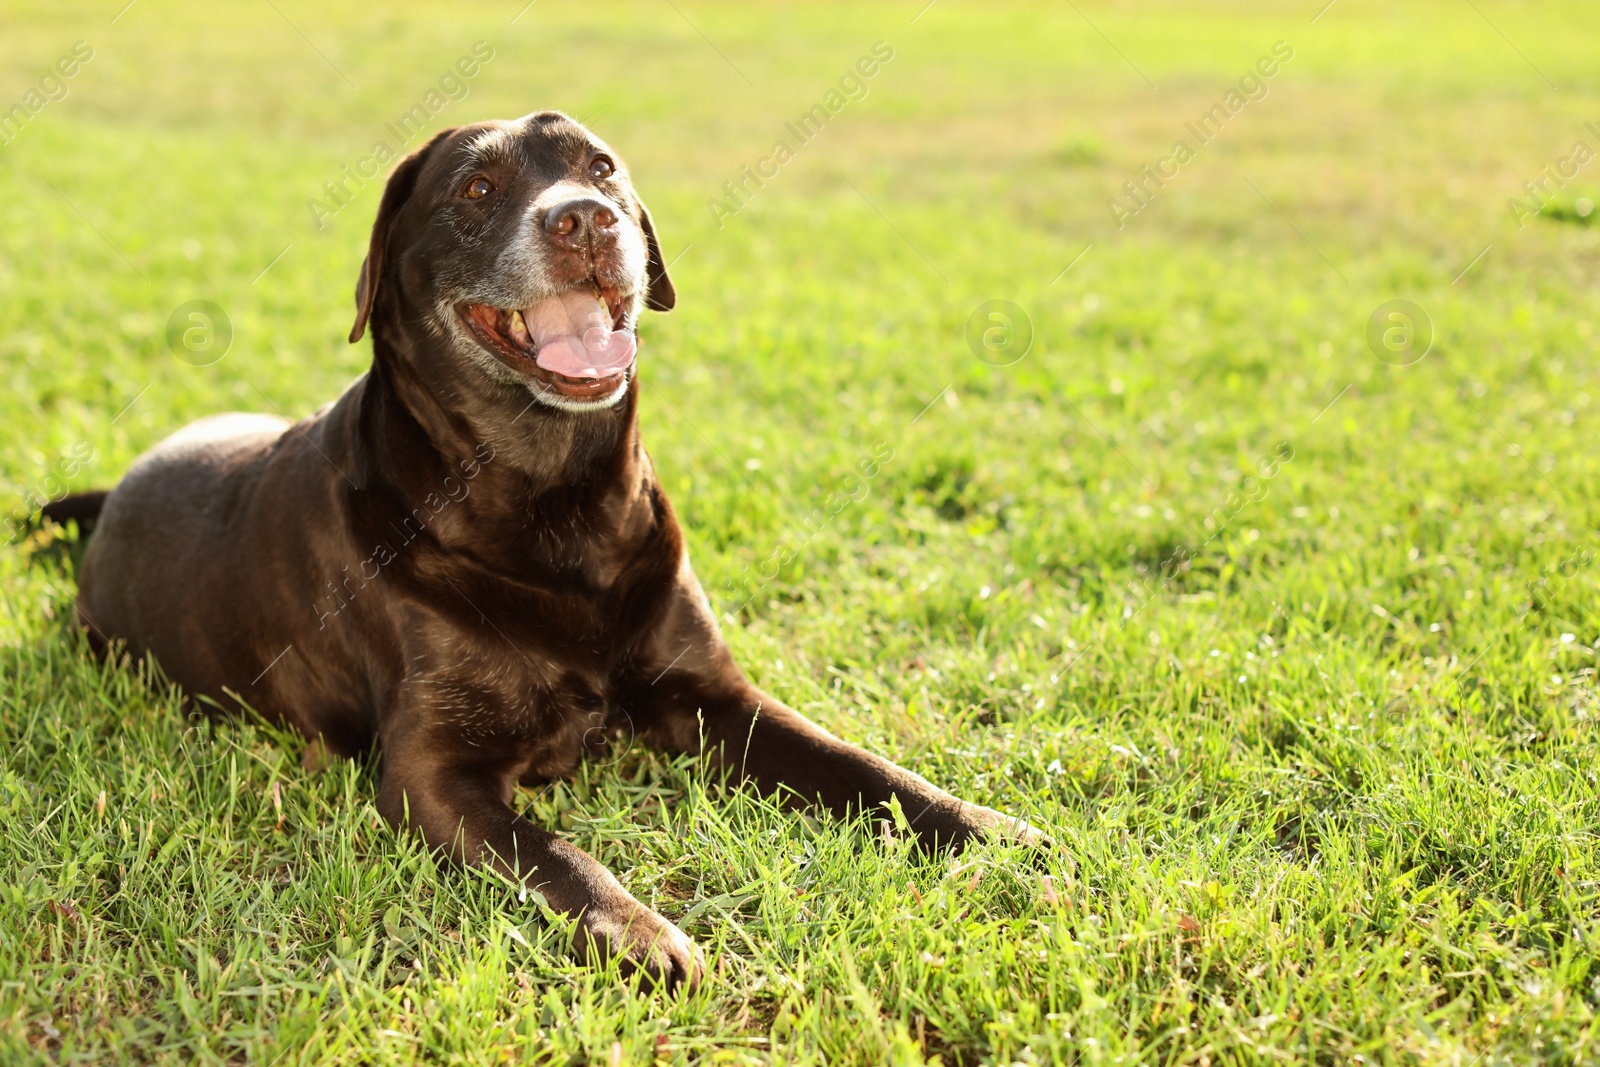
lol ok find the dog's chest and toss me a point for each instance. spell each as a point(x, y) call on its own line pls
point(567, 734)
point(540, 721)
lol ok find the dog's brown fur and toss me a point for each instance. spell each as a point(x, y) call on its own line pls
point(484, 584)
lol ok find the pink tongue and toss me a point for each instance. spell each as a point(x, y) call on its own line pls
point(573, 334)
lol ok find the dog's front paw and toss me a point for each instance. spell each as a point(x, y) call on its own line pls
point(643, 941)
point(998, 826)
point(953, 825)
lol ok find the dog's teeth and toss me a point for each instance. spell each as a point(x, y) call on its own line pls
point(519, 329)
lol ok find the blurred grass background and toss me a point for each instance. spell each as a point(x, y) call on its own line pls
point(1328, 789)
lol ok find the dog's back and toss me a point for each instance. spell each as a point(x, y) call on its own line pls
point(196, 563)
point(150, 532)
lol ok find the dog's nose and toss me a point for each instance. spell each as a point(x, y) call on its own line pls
point(577, 219)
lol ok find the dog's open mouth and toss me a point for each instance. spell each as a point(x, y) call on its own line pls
point(576, 343)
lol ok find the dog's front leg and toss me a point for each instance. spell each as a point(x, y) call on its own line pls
point(698, 701)
point(693, 698)
point(758, 738)
point(458, 801)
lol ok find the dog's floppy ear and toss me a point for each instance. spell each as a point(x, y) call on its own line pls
point(659, 295)
point(402, 181)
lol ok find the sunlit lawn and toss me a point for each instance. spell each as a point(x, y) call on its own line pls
point(1290, 647)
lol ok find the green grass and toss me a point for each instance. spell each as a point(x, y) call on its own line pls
point(1324, 791)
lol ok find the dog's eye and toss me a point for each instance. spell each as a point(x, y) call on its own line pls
point(601, 168)
point(477, 188)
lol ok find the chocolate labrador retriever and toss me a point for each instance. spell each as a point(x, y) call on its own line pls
point(468, 557)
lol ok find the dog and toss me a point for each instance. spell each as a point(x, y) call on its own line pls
point(468, 558)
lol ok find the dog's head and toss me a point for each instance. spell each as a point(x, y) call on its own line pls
point(524, 252)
